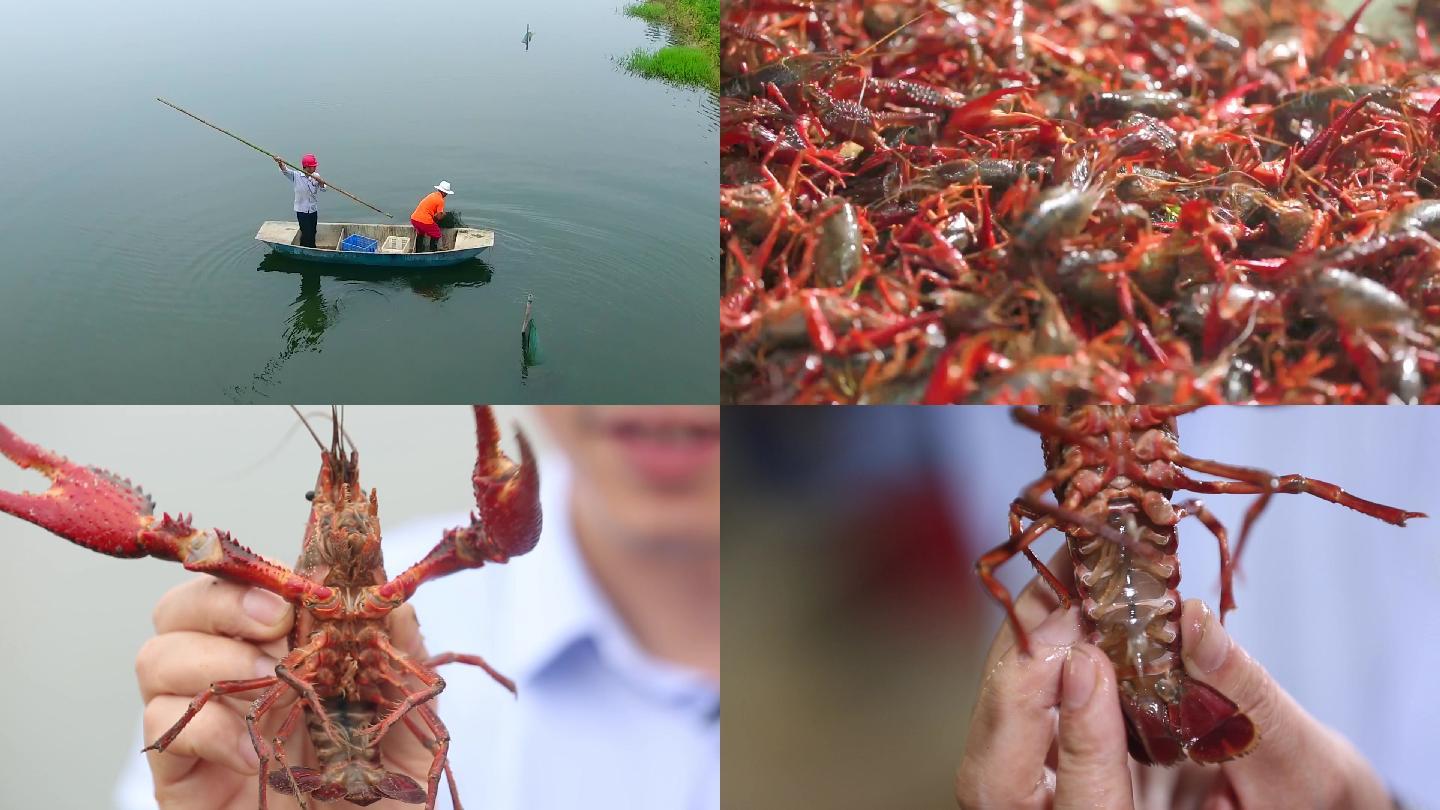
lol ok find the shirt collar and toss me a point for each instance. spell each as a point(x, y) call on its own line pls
point(566, 613)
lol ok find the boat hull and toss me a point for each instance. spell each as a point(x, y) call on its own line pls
point(460, 245)
point(391, 260)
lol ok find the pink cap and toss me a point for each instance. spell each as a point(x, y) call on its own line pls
point(309, 160)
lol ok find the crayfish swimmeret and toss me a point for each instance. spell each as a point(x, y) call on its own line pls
point(352, 683)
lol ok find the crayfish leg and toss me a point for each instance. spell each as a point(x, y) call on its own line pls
point(198, 702)
point(1252, 481)
point(441, 763)
point(1019, 542)
point(474, 661)
point(1196, 508)
point(263, 704)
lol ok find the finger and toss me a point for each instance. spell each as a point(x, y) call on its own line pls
point(1094, 767)
point(1014, 721)
point(209, 605)
point(1297, 757)
point(185, 664)
point(1211, 656)
point(1036, 602)
point(212, 736)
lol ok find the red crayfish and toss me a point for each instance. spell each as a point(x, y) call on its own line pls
point(1114, 471)
point(351, 682)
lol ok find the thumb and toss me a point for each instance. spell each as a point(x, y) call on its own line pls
point(1094, 763)
point(405, 632)
point(402, 747)
point(1297, 757)
point(1213, 657)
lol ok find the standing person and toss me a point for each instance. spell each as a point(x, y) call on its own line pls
point(610, 629)
point(307, 185)
point(427, 215)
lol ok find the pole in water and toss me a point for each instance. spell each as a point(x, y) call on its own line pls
point(342, 191)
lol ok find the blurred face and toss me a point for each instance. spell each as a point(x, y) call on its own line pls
point(645, 475)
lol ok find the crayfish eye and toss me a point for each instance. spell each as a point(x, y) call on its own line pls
point(310, 496)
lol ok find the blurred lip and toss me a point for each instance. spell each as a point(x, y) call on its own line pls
point(666, 447)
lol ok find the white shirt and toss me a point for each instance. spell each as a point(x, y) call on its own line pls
point(598, 723)
point(305, 190)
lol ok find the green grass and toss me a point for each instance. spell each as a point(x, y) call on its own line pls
point(696, 60)
point(682, 63)
point(650, 12)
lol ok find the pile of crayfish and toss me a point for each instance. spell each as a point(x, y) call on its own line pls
point(1062, 200)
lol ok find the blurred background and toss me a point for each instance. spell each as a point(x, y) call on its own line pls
point(77, 618)
point(855, 626)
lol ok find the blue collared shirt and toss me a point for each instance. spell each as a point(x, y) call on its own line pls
point(598, 723)
point(306, 190)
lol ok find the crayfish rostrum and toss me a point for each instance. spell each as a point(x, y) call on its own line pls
point(352, 684)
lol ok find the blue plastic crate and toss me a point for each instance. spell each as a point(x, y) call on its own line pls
point(355, 243)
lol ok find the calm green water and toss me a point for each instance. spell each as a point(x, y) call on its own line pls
point(128, 268)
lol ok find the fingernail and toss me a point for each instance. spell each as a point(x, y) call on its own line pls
point(1079, 681)
point(263, 606)
point(1058, 628)
point(1214, 643)
point(265, 666)
point(248, 754)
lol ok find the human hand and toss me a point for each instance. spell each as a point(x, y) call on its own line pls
point(206, 631)
point(1018, 755)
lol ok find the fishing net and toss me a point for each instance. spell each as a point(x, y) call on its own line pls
point(450, 219)
point(530, 342)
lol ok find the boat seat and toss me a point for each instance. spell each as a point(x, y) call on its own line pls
point(473, 238)
point(282, 232)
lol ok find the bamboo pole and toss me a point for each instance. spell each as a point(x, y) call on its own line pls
point(267, 154)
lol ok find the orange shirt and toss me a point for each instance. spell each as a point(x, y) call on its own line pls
point(429, 208)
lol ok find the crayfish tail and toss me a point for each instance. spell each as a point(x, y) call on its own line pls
point(1193, 720)
point(357, 790)
point(401, 788)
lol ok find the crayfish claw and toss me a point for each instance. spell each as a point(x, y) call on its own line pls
point(85, 505)
point(28, 456)
point(507, 494)
point(508, 523)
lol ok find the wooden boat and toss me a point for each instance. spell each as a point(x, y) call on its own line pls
point(396, 248)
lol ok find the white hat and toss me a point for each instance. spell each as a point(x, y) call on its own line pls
point(444, 187)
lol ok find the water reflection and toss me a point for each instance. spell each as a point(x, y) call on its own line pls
point(433, 283)
point(311, 313)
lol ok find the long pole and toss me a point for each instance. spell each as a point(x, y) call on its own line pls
point(267, 154)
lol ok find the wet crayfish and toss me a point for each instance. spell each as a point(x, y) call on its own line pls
point(1137, 163)
point(352, 684)
point(1114, 472)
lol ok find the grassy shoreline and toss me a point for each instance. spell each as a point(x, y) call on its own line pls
point(696, 59)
